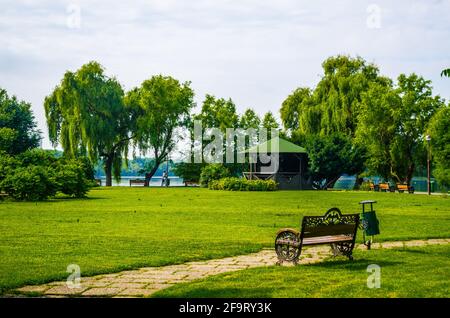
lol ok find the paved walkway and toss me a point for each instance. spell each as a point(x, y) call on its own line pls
point(145, 281)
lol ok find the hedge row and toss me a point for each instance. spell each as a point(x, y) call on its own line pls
point(36, 175)
point(238, 184)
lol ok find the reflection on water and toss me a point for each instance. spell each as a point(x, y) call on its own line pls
point(156, 181)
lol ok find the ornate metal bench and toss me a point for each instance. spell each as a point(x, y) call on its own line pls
point(333, 228)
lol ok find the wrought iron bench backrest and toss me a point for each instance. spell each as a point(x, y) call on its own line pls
point(332, 223)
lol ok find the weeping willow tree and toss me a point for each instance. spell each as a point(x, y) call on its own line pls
point(86, 115)
point(334, 104)
point(332, 107)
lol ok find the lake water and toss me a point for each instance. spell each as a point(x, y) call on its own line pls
point(155, 182)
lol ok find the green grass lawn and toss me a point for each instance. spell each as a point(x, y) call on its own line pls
point(409, 272)
point(124, 228)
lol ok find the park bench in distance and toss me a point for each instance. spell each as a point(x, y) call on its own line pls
point(374, 187)
point(404, 187)
point(137, 182)
point(334, 228)
point(385, 187)
point(190, 183)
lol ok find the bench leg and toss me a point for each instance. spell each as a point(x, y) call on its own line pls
point(344, 249)
point(335, 250)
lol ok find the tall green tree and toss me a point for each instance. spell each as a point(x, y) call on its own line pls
point(392, 125)
point(18, 131)
point(158, 107)
point(331, 156)
point(86, 114)
point(334, 104)
point(218, 113)
point(439, 131)
point(249, 119)
point(269, 122)
point(294, 111)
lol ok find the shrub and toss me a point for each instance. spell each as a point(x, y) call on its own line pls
point(72, 179)
point(238, 184)
point(213, 172)
point(38, 157)
point(188, 171)
point(7, 165)
point(365, 186)
point(32, 183)
point(37, 175)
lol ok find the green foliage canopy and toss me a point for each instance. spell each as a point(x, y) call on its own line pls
point(86, 114)
point(392, 124)
point(439, 131)
point(331, 156)
point(269, 122)
point(158, 107)
point(334, 105)
point(18, 131)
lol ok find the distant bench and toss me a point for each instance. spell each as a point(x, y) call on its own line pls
point(190, 183)
point(139, 182)
point(386, 187)
point(374, 187)
point(404, 187)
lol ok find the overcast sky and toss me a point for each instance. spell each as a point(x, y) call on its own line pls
point(254, 51)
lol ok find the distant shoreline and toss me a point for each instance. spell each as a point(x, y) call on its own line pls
point(155, 181)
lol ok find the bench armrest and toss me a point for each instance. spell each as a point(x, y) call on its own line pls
point(296, 232)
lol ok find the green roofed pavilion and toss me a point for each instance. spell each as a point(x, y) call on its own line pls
point(279, 145)
point(287, 164)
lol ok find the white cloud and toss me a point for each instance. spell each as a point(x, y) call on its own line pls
point(254, 51)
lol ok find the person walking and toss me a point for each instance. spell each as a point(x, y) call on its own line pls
point(164, 178)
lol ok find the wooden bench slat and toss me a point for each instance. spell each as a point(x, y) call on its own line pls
point(318, 240)
point(327, 239)
point(324, 230)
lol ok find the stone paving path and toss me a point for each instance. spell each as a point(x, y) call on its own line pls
point(145, 281)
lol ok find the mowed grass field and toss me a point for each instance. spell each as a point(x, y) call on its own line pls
point(124, 228)
point(415, 272)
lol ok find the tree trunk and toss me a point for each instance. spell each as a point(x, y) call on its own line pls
point(149, 175)
point(410, 174)
point(108, 170)
point(331, 182)
point(359, 181)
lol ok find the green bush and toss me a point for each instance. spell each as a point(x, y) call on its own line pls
point(72, 179)
point(32, 183)
point(37, 175)
point(7, 165)
point(38, 157)
point(238, 184)
point(188, 171)
point(365, 186)
point(213, 172)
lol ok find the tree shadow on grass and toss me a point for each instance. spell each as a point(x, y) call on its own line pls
point(359, 264)
point(71, 199)
point(412, 251)
point(222, 293)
